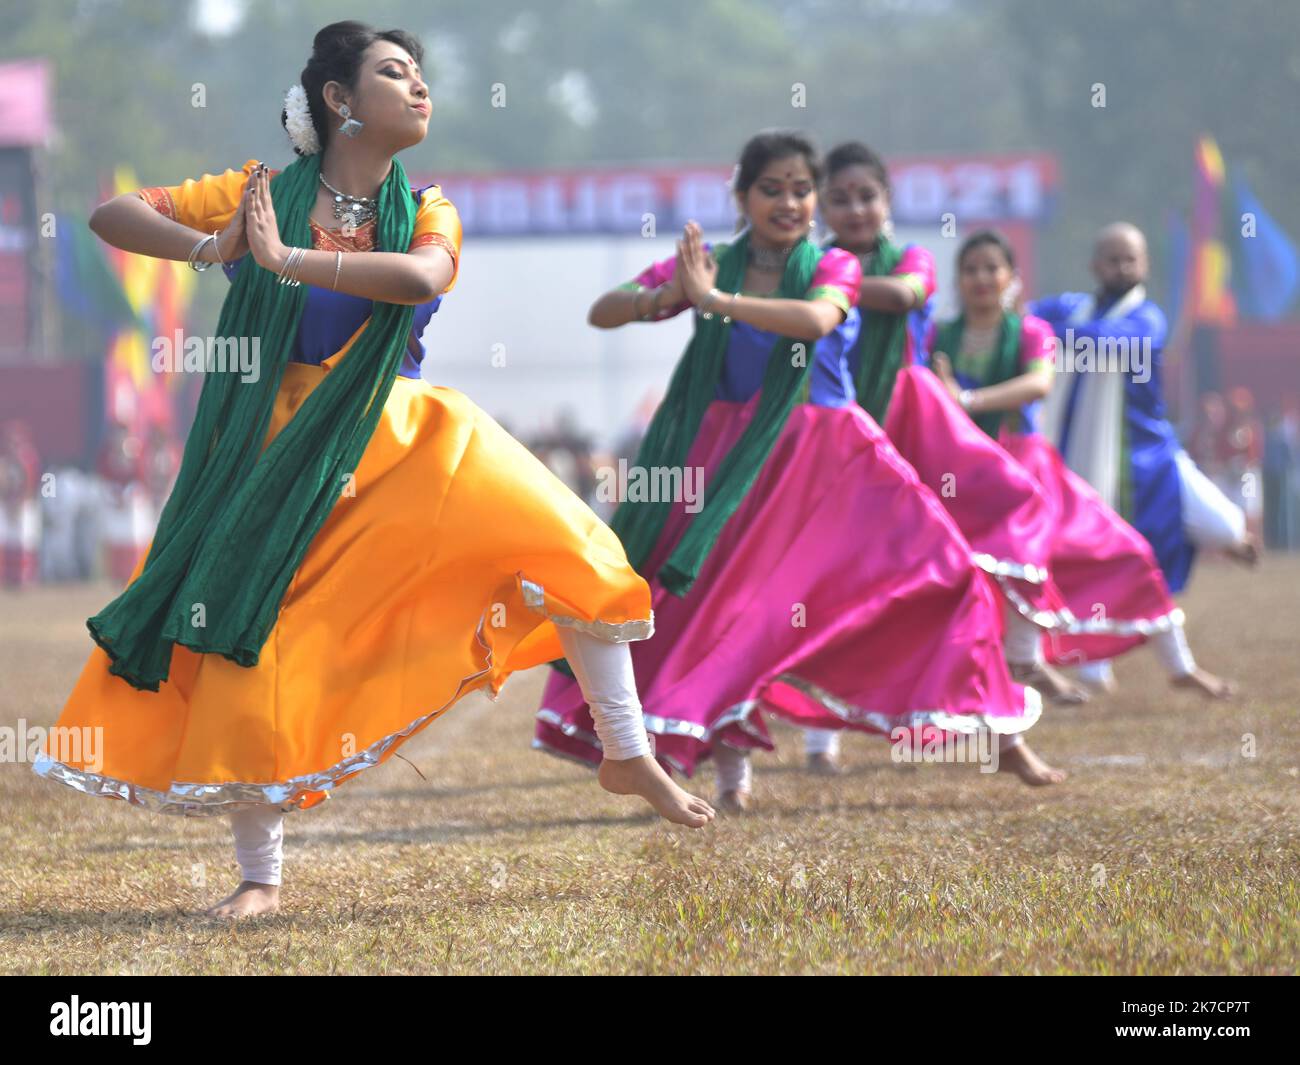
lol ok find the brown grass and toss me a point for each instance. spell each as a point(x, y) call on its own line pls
point(1168, 851)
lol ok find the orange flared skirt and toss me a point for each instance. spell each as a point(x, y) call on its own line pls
point(446, 570)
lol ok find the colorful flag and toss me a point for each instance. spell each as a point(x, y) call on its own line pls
point(1266, 269)
point(1211, 289)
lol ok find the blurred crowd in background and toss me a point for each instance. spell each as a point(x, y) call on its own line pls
point(71, 524)
point(65, 523)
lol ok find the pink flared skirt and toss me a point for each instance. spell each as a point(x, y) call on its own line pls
point(1061, 557)
point(839, 595)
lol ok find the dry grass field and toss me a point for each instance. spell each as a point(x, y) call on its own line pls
point(1169, 850)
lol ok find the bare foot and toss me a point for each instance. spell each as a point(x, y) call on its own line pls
point(734, 802)
point(1052, 683)
point(1206, 683)
point(1246, 551)
point(1022, 761)
point(645, 777)
point(824, 764)
point(249, 900)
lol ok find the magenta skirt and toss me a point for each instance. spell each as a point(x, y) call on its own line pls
point(839, 595)
point(1106, 571)
point(1061, 557)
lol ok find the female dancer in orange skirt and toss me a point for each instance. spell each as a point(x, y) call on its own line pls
point(347, 550)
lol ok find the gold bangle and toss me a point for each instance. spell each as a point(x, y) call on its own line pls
point(338, 265)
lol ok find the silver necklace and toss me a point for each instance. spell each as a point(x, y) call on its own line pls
point(350, 210)
point(768, 258)
point(977, 339)
point(869, 256)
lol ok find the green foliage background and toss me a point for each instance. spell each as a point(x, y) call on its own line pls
point(619, 80)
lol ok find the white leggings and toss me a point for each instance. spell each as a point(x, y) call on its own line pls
point(734, 770)
point(259, 842)
point(1171, 649)
point(821, 741)
point(604, 674)
point(1023, 643)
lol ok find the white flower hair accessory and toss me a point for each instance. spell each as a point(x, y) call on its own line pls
point(297, 122)
point(735, 176)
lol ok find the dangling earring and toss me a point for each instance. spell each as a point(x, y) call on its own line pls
point(351, 127)
point(1010, 294)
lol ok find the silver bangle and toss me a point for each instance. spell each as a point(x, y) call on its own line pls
point(297, 269)
point(964, 398)
point(708, 300)
point(289, 270)
point(283, 277)
point(216, 247)
point(196, 264)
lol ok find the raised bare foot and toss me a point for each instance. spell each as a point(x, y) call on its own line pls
point(735, 801)
point(1206, 683)
point(1246, 551)
point(1055, 686)
point(1022, 761)
point(249, 900)
point(824, 764)
point(645, 777)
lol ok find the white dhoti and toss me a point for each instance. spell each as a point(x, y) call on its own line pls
point(1211, 519)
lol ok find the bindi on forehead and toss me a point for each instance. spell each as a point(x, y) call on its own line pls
point(398, 59)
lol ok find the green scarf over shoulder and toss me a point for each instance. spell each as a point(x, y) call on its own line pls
point(673, 429)
point(881, 341)
point(1004, 365)
point(238, 522)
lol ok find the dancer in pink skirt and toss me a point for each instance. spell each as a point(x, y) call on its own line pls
point(816, 578)
point(1010, 513)
point(997, 505)
point(999, 364)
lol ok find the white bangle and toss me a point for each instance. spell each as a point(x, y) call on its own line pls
point(964, 398)
point(709, 298)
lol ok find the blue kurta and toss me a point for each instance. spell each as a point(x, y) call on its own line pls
point(835, 370)
point(748, 349)
point(1150, 443)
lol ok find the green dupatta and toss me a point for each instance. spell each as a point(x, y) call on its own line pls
point(1006, 360)
point(673, 429)
point(881, 341)
point(238, 523)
